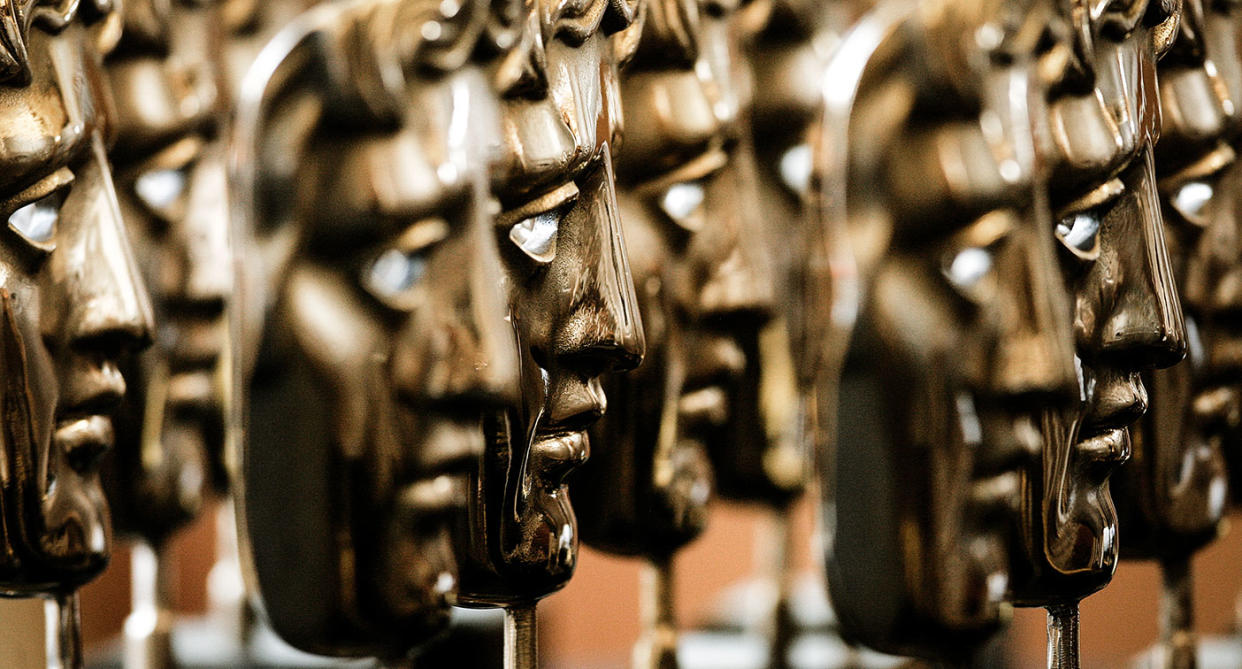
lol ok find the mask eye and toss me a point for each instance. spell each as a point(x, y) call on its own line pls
point(1191, 201)
point(160, 189)
point(538, 222)
point(536, 236)
point(36, 222)
point(968, 267)
point(683, 202)
point(393, 273)
point(1080, 233)
point(795, 169)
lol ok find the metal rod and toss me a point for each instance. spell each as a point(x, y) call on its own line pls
point(784, 628)
point(1063, 636)
point(64, 631)
point(657, 642)
point(148, 628)
point(1177, 621)
point(521, 638)
point(227, 607)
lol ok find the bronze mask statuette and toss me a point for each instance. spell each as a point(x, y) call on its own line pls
point(247, 26)
point(169, 159)
point(693, 226)
point(815, 276)
point(963, 323)
point(572, 306)
point(72, 301)
point(1171, 496)
point(1103, 118)
point(365, 133)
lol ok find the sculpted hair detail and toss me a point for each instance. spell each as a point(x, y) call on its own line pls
point(576, 20)
point(16, 18)
point(381, 43)
point(522, 74)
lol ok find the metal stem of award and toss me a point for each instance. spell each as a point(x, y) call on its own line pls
point(226, 593)
point(784, 627)
point(64, 632)
point(1237, 614)
point(1063, 636)
point(148, 628)
point(1177, 637)
point(657, 643)
point(779, 573)
point(521, 637)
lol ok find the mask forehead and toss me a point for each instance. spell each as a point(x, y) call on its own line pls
point(165, 77)
point(47, 124)
point(562, 99)
point(434, 160)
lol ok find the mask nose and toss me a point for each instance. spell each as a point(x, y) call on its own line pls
point(198, 275)
point(106, 306)
point(460, 351)
point(605, 330)
point(738, 290)
point(1034, 360)
point(1143, 325)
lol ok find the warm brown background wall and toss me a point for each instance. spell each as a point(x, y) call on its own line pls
point(594, 620)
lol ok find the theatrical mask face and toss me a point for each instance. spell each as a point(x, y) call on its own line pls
point(814, 268)
point(571, 302)
point(963, 325)
point(72, 306)
point(385, 344)
point(691, 215)
point(171, 185)
point(1172, 496)
point(789, 58)
point(1127, 318)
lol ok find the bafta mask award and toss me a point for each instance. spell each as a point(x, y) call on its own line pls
point(571, 305)
point(963, 321)
point(1103, 115)
point(366, 142)
point(73, 305)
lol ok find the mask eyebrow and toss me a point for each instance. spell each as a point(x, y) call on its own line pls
point(550, 200)
point(1106, 192)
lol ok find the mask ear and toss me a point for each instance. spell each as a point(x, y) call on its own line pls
point(625, 41)
point(1188, 47)
point(106, 34)
point(1165, 17)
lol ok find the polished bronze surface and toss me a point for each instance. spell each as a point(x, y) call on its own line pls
point(72, 307)
point(572, 306)
point(72, 300)
point(1104, 117)
point(698, 252)
point(932, 259)
point(364, 140)
point(170, 178)
point(963, 330)
point(1171, 497)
